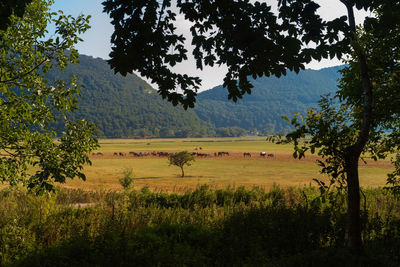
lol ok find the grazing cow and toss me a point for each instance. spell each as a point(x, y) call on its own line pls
point(220, 154)
point(162, 154)
point(205, 155)
point(115, 154)
point(270, 155)
point(247, 154)
point(122, 154)
point(263, 154)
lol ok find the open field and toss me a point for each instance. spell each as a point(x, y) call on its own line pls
point(219, 172)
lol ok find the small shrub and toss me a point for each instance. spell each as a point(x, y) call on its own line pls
point(127, 179)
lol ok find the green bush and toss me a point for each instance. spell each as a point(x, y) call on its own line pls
point(127, 179)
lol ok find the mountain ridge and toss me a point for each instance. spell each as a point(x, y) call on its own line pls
point(129, 107)
point(271, 98)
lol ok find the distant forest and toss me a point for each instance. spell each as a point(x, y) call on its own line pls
point(128, 107)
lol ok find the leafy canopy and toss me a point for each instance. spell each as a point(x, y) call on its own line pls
point(30, 105)
point(335, 127)
point(247, 37)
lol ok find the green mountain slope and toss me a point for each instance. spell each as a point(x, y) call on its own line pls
point(271, 98)
point(127, 106)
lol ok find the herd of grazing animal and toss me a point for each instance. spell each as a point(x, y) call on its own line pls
point(197, 154)
point(201, 155)
point(136, 154)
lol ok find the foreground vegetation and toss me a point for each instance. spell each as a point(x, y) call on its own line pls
point(204, 227)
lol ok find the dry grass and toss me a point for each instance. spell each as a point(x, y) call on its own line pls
point(219, 172)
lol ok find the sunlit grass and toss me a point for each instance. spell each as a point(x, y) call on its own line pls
point(217, 172)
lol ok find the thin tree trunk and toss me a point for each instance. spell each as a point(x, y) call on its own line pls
point(355, 241)
point(353, 152)
point(183, 173)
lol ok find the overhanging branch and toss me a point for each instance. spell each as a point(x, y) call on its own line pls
point(24, 74)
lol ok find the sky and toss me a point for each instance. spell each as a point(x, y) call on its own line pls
point(97, 40)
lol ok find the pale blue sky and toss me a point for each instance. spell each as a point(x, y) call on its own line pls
point(97, 39)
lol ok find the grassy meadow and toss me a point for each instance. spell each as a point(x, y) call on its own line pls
point(218, 172)
point(226, 211)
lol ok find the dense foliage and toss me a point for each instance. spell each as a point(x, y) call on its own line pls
point(245, 36)
point(33, 152)
point(224, 227)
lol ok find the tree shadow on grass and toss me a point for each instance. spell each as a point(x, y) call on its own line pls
point(193, 176)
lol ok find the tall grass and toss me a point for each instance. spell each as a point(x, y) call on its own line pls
point(204, 227)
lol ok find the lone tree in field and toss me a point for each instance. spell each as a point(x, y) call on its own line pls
point(181, 159)
point(252, 41)
point(30, 105)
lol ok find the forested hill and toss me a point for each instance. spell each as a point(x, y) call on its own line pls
point(271, 98)
point(129, 107)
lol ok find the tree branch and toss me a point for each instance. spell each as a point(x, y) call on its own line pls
point(24, 74)
point(366, 83)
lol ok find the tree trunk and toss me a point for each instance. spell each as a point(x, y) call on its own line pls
point(355, 241)
point(183, 173)
point(353, 152)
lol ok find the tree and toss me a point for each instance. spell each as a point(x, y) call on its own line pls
point(252, 41)
point(127, 179)
point(247, 37)
point(30, 105)
point(181, 159)
point(359, 123)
